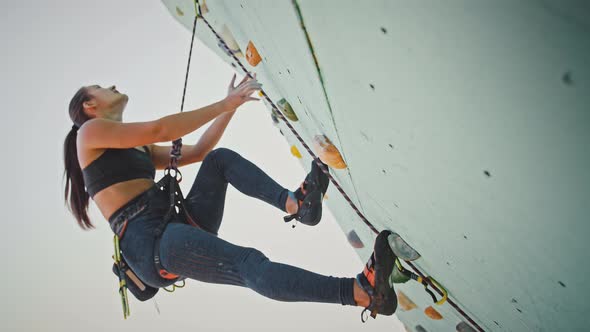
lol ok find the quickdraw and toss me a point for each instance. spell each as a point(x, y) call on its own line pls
point(174, 286)
point(425, 281)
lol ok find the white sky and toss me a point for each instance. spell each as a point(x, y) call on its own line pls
point(57, 277)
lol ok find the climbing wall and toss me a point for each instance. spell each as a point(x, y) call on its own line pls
point(465, 128)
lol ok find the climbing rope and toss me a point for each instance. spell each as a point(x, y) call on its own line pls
point(428, 280)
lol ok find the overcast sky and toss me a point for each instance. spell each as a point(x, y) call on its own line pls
point(57, 277)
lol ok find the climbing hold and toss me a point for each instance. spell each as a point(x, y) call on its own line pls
point(273, 113)
point(327, 152)
point(325, 196)
point(464, 327)
point(287, 110)
point(275, 117)
point(354, 240)
point(401, 248)
point(567, 78)
point(230, 41)
point(204, 8)
point(260, 94)
point(420, 328)
point(179, 12)
point(397, 276)
point(295, 152)
point(432, 313)
point(404, 302)
point(252, 55)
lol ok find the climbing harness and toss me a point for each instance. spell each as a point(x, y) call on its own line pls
point(418, 276)
point(169, 184)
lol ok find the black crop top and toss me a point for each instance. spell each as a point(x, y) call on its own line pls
point(117, 165)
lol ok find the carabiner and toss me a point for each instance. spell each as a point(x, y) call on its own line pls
point(174, 286)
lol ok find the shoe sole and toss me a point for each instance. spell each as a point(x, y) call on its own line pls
point(319, 177)
point(311, 209)
point(384, 264)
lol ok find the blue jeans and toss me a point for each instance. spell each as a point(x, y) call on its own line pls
point(200, 255)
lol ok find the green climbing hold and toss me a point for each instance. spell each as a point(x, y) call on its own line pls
point(397, 277)
point(287, 110)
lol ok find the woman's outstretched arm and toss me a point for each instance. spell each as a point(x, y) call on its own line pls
point(212, 135)
point(236, 96)
point(209, 139)
point(192, 153)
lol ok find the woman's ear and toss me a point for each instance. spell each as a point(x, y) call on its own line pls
point(90, 106)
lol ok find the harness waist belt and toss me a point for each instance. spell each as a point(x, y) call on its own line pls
point(119, 219)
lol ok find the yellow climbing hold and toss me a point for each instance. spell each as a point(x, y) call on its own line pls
point(327, 152)
point(295, 152)
point(432, 313)
point(404, 302)
point(179, 11)
point(287, 110)
point(252, 55)
point(260, 94)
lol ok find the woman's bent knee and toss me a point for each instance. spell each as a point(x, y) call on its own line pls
point(220, 156)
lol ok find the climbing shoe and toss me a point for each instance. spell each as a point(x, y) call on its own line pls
point(309, 196)
point(375, 279)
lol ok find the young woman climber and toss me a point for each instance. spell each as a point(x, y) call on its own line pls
point(114, 163)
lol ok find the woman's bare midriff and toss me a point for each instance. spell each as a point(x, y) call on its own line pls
point(111, 198)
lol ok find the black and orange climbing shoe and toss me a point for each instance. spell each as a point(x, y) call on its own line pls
point(375, 279)
point(309, 196)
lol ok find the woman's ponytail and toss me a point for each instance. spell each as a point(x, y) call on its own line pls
point(75, 195)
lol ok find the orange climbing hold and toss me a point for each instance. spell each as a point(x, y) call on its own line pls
point(328, 153)
point(252, 55)
point(432, 313)
point(404, 302)
point(295, 152)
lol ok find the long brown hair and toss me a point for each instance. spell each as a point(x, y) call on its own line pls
point(78, 197)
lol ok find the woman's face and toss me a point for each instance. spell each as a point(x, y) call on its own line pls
point(107, 98)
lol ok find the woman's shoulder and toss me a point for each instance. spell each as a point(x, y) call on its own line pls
point(106, 133)
point(87, 156)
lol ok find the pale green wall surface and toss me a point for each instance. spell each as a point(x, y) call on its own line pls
point(459, 90)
